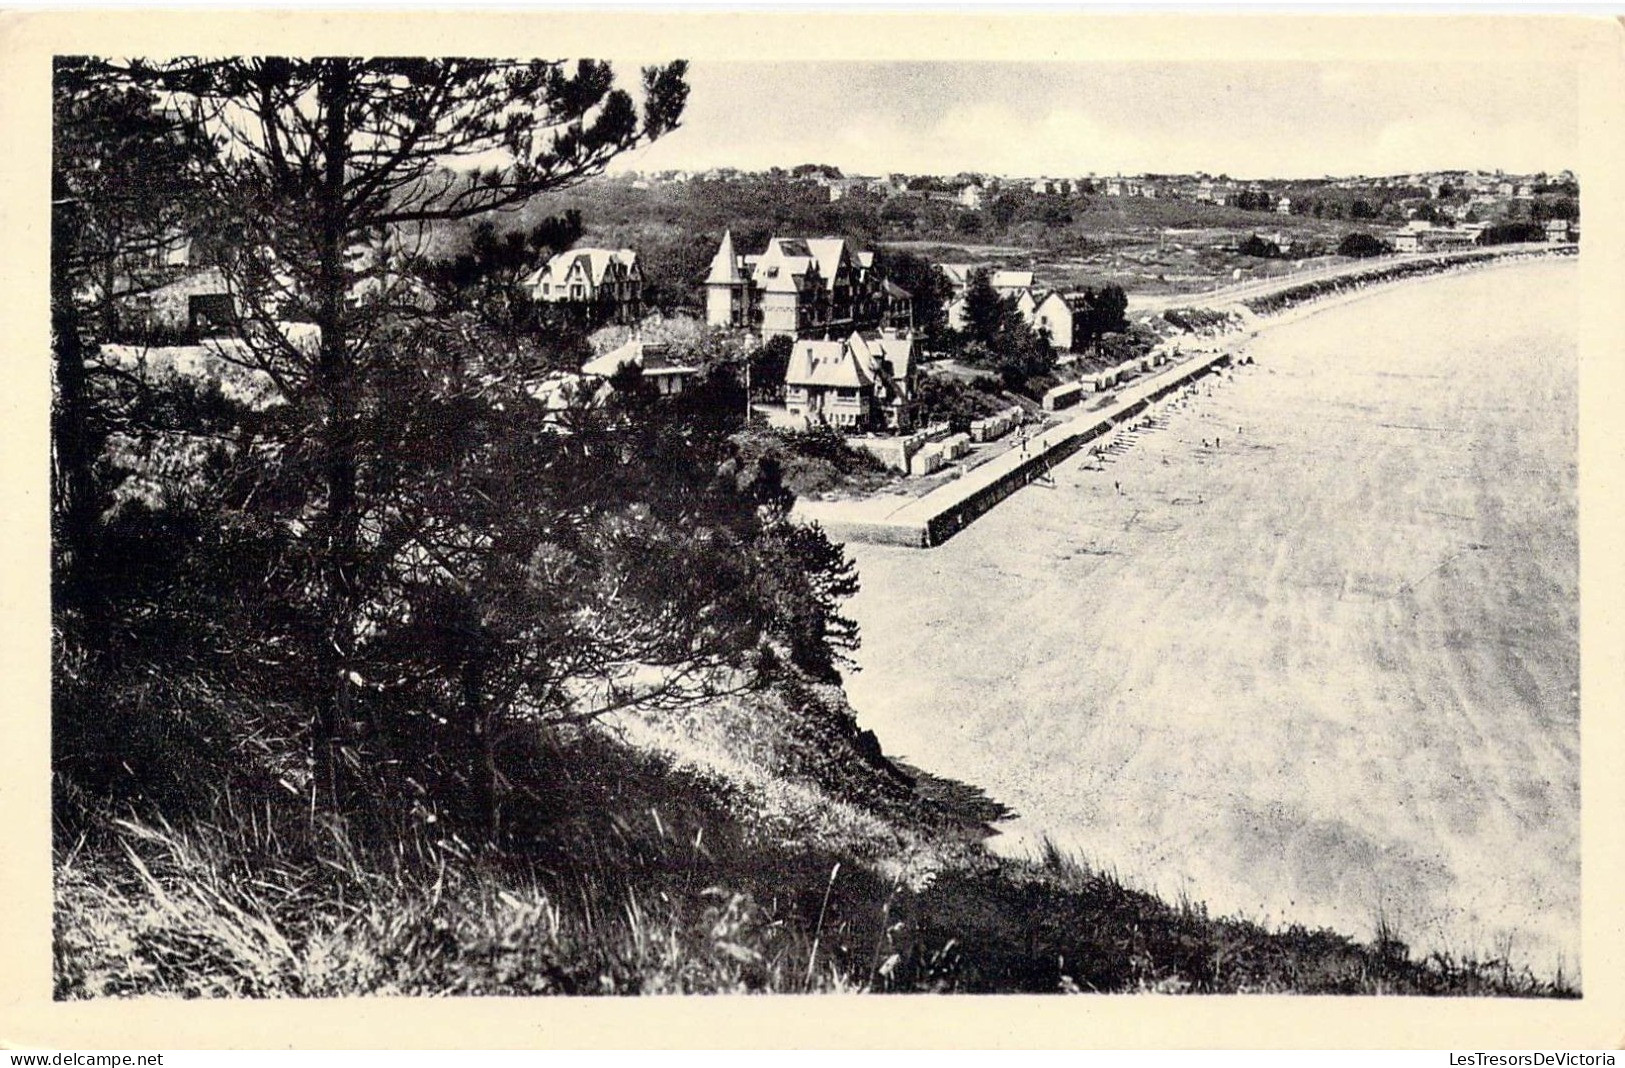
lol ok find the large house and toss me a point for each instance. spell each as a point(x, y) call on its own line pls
point(653, 362)
point(801, 286)
point(861, 382)
point(1423, 237)
point(592, 276)
point(958, 276)
point(1052, 312)
point(1043, 309)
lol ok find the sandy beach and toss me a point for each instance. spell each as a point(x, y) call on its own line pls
point(1304, 650)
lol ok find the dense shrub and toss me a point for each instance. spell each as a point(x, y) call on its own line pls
point(1362, 246)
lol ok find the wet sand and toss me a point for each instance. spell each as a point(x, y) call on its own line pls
point(1321, 669)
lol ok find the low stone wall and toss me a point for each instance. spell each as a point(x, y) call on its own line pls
point(929, 459)
point(897, 452)
point(893, 452)
point(945, 524)
point(909, 536)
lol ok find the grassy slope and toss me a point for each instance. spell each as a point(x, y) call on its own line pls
point(759, 845)
point(1113, 239)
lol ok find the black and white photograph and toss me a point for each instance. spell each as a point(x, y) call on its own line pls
point(649, 521)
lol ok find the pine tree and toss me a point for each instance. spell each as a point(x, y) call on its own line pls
point(333, 170)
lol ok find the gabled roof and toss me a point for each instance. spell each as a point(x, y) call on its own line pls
point(595, 263)
point(825, 364)
point(787, 264)
point(884, 355)
point(827, 252)
point(1012, 279)
point(1052, 297)
point(559, 392)
point(652, 359)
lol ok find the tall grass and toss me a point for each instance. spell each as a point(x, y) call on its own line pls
point(622, 871)
point(205, 912)
point(256, 905)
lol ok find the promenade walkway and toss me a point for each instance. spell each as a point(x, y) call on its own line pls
point(934, 517)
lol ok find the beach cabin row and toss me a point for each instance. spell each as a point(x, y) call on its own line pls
point(936, 455)
point(895, 451)
point(995, 426)
point(1101, 381)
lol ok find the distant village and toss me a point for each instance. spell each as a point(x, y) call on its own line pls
point(854, 336)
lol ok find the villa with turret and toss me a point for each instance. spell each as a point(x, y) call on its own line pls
point(802, 287)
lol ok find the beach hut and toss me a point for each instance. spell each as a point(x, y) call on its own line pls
point(928, 460)
point(1063, 396)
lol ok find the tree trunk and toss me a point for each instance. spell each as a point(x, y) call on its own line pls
point(336, 378)
point(481, 760)
point(76, 448)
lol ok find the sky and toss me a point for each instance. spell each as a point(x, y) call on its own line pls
point(1245, 119)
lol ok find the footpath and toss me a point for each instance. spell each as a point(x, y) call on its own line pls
point(931, 519)
point(921, 522)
